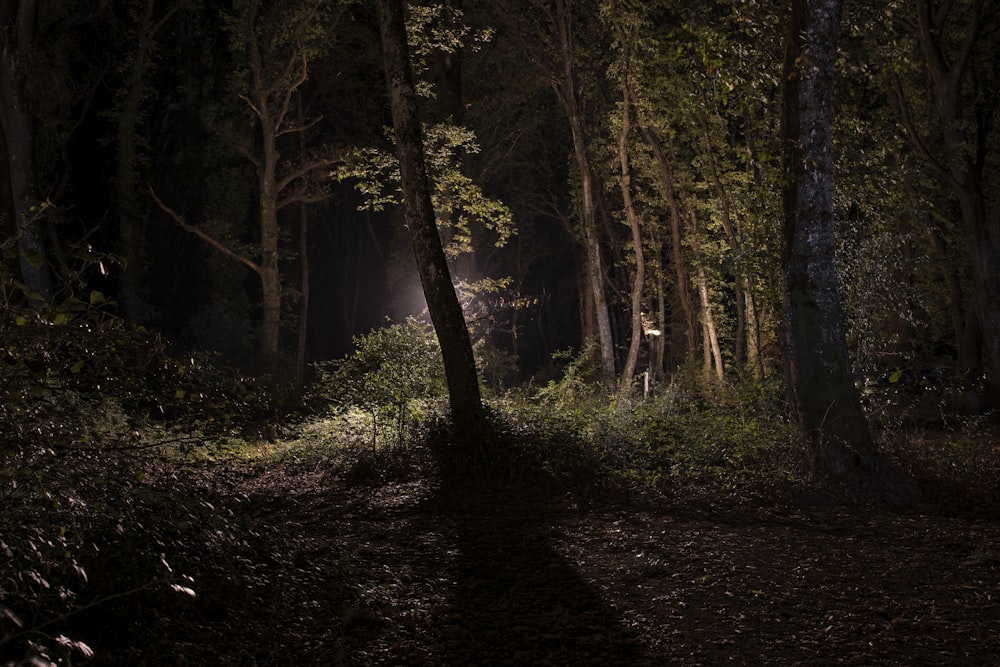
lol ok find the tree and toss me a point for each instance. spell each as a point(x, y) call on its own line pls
point(821, 390)
point(625, 35)
point(551, 44)
point(275, 50)
point(432, 265)
point(956, 143)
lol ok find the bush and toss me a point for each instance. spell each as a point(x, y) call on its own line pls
point(85, 403)
point(390, 373)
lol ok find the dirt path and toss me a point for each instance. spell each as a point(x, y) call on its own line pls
point(397, 574)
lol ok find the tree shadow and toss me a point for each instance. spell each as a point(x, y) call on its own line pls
point(514, 598)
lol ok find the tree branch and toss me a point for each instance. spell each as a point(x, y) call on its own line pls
point(300, 128)
point(305, 169)
point(913, 135)
point(203, 235)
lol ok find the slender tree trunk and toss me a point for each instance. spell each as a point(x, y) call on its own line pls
point(270, 273)
point(442, 302)
point(303, 339)
point(639, 277)
point(16, 122)
point(822, 392)
point(566, 89)
point(740, 284)
point(712, 351)
point(677, 249)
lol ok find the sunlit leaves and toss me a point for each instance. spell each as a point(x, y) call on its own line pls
point(460, 204)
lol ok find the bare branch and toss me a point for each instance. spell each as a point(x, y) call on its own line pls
point(305, 169)
point(253, 107)
point(299, 128)
point(203, 235)
point(303, 196)
point(290, 91)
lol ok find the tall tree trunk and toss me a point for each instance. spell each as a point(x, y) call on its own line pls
point(712, 351)
point(822, 392)
point(15, 55)
point(435, 278)
point(740, 284)
point(270, 273)
point(639, 277)
point(566, 89)
point(303, 338)
point(677, 250)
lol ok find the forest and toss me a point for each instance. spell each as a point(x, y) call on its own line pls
point(499, 332)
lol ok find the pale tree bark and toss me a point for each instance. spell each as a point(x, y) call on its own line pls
point(711, 349)
point(565, 86)
point(625, 184)
point(18, 34)
point(821, 389)
point(273, 86)
point(435, 278)
point(732, 232)
point(681, 277)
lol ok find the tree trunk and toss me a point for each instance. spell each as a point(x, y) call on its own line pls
point(566, 89)
point(677, 250)
point(639, 277)
point(740, 283)
point(821, 390)
point(712, 351)
point(16, 122)
point(270, 274)
point(442, 302)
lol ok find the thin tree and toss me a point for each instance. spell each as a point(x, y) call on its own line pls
point(625, 39)
point(435, 277)
point(821, 390)
point(275, 78)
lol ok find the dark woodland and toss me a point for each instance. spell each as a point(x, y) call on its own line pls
point(499, 332)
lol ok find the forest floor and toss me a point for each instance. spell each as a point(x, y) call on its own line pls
point(346, 569)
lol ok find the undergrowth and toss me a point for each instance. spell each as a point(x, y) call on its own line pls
point(118, 464)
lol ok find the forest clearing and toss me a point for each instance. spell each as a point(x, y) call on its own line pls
point(499, 332)
point(668, 534)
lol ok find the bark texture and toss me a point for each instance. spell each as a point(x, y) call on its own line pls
point(821, 389)
point(435, 278)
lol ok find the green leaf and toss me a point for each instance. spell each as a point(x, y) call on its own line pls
point(21, 320)
point(31, 257)
point(180, 394)
point(77, 366)
point(895, 376)
point(97, 298)
point(60, 319)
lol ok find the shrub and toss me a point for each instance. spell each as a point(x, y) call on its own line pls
point(389, 373)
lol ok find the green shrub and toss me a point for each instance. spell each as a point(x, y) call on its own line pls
point(391, 371)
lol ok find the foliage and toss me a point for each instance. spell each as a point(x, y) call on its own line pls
point(85, 403)
point(460, 205)
point(391, 371)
